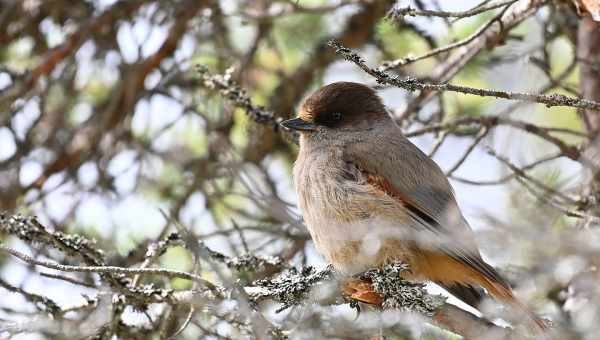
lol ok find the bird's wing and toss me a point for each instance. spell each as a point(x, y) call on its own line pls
point(392, 164)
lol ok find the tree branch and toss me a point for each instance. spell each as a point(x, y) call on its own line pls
point(412, 84)
point(401, 12)
point(444, 71)
point(108, 269)
point(291, 287)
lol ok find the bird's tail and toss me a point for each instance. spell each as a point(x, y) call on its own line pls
point(504, 294)
point(460, 274)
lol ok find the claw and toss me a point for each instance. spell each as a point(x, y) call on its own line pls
point(361, 290)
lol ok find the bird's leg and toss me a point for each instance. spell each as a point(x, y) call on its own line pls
point(361, 290)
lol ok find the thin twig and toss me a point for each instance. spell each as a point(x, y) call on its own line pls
point(38, 300)
point(412, 84)
point(438, 143)
point(400, 12)
point(543, 132)
point(510, 176)
point(482, 133)
point(520, 173)
point(67, 279)
point(108, 269)
point(185, 323)
point(390, 65)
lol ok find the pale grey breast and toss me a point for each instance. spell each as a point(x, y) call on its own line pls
point(341, 212)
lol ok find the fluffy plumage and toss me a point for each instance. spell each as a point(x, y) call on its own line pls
point(369, 196)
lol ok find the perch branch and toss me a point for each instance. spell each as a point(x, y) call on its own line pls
point(290, 288)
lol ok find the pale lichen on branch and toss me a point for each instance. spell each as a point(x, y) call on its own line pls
point(399, 293)
point(412, 84)
point(292, 287)
point(228, 88)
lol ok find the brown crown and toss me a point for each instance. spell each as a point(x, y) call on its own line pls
point(352, 100)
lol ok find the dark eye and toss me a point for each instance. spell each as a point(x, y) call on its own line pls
point(329, 119)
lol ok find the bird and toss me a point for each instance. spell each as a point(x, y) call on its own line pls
point(370, 197)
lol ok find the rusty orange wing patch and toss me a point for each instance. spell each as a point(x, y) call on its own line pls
point(466, 257)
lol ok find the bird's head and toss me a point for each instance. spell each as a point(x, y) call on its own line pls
point(338, 107)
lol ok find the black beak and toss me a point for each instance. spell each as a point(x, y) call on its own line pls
point(298, 124)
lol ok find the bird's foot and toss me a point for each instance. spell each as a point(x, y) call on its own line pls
point(361, 290)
